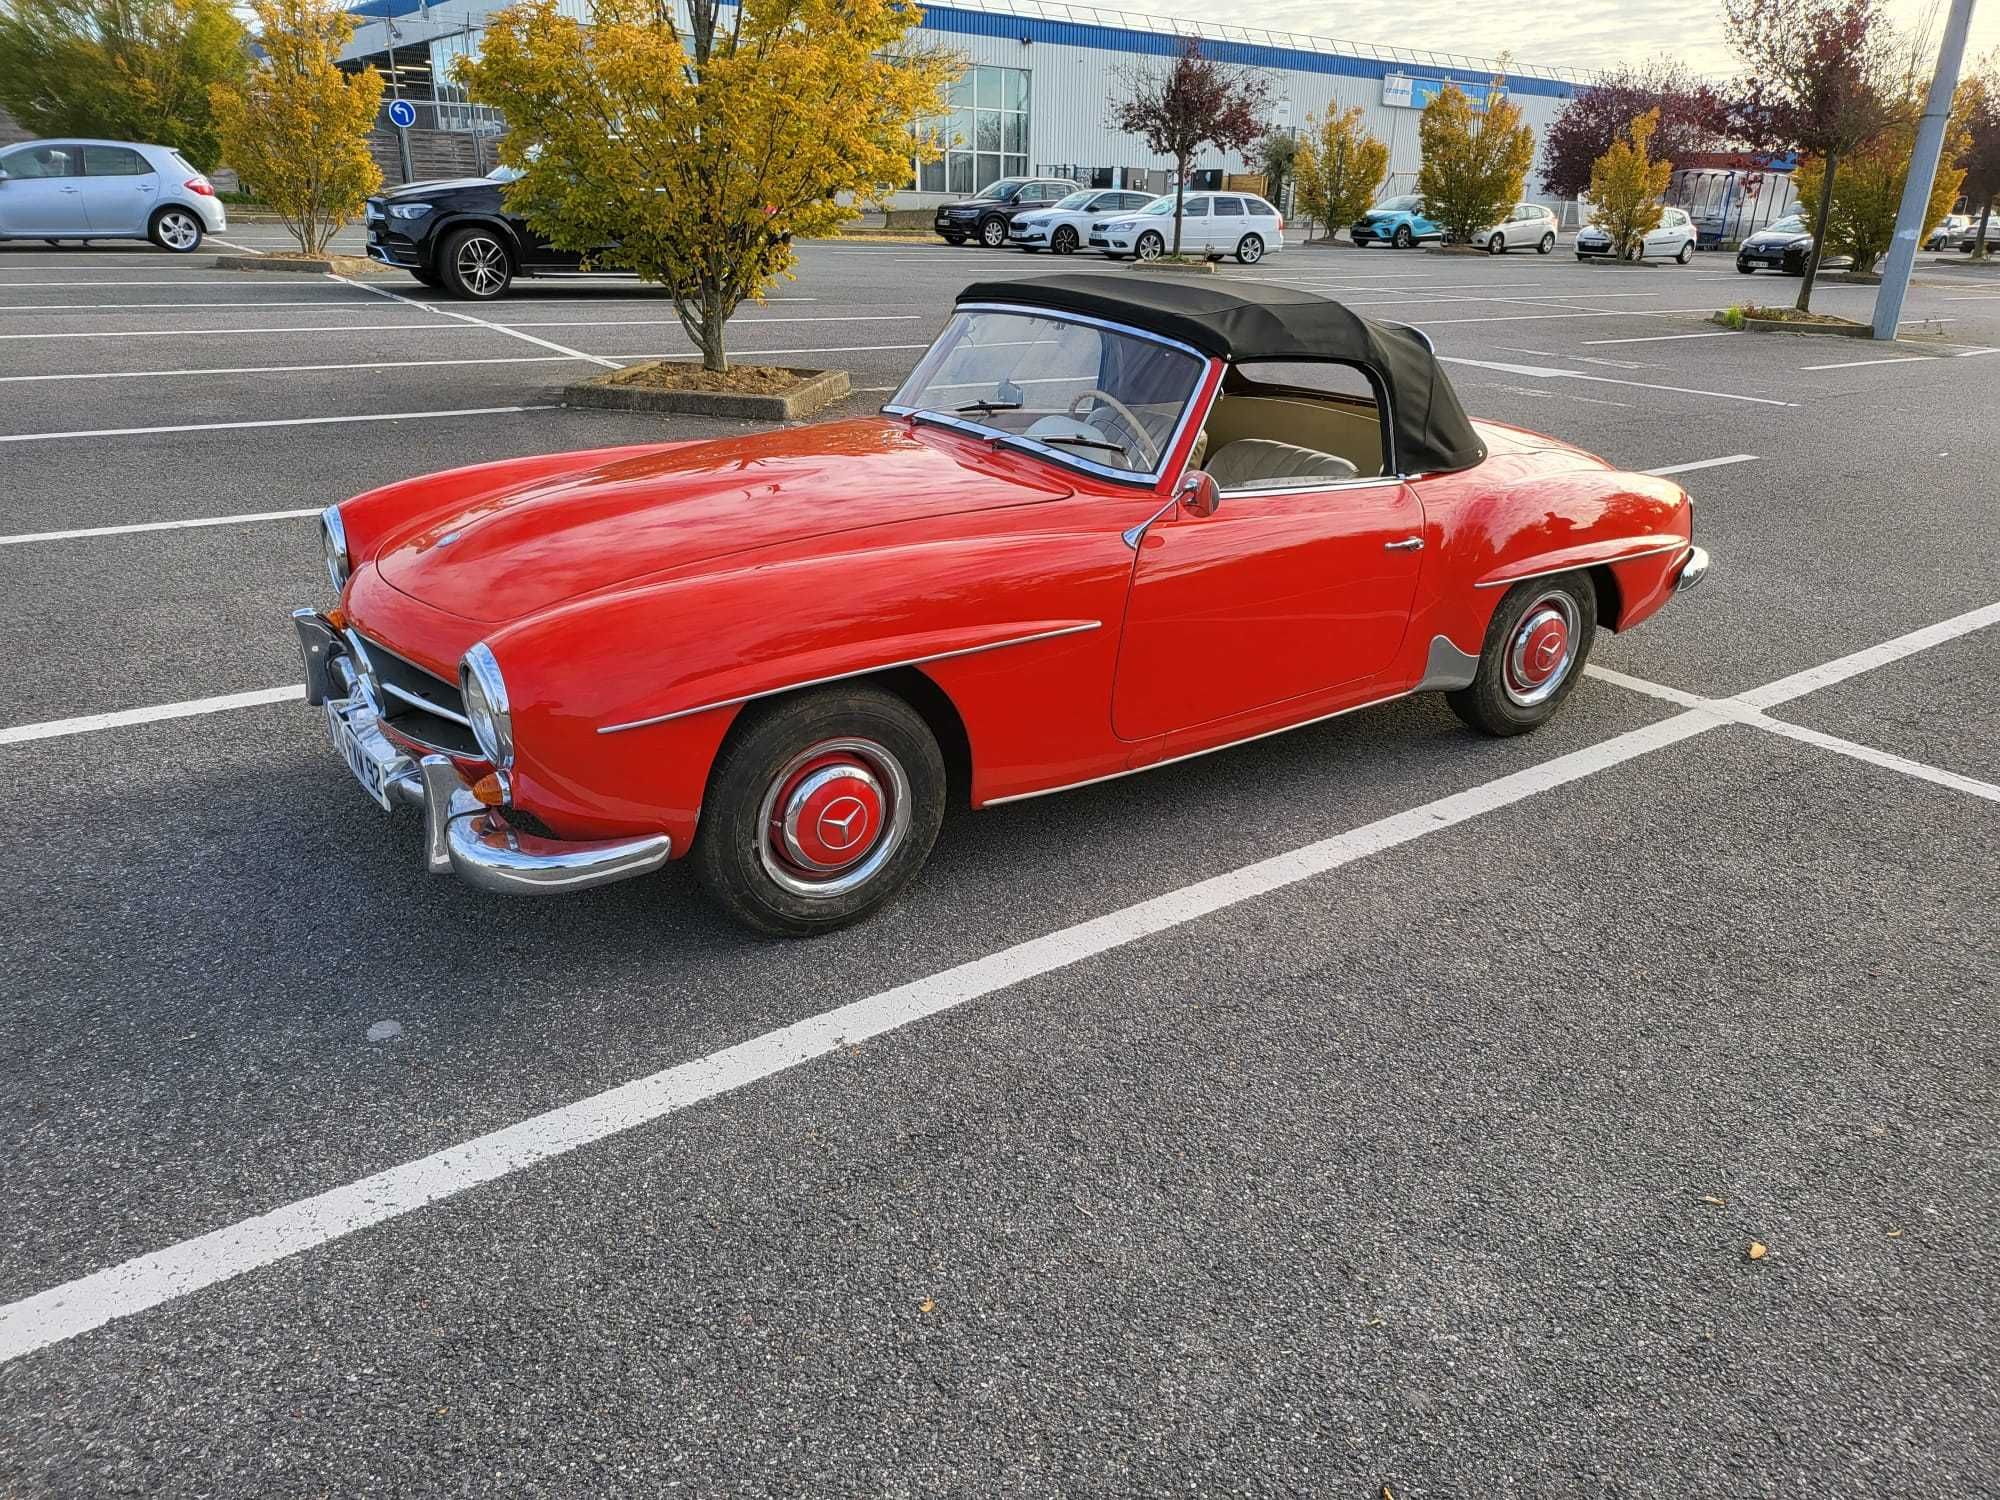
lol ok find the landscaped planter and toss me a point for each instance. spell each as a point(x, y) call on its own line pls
point(1187, 267)
point(1838, 328)
point(678, 388)
point(343, 265)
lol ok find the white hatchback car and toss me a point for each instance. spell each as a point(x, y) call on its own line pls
point(1529, 226)
point(1672, 240)
point(1063, 227)
point(1212, 224)
point(106, 190)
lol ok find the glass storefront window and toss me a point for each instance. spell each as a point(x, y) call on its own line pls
point(986, 132)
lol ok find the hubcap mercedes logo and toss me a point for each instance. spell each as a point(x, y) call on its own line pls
point(842, 823)
point(1549, 650)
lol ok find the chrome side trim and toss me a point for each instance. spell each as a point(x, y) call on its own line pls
point(1174, 760)
point(417, 700)
point(1447, 667)
point(812, 682)
point(1578, 567)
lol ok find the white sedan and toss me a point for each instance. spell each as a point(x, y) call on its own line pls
point(1062, 227)
point(1672, 240)
point(1212, 225)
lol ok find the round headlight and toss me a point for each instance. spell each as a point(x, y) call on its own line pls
point(485, 693)
point(333, 542)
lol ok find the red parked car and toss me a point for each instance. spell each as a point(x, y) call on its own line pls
point(1105, 525)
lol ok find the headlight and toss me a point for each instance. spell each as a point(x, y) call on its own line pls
point(333, 542)
point(485, 693)
point(408, 210)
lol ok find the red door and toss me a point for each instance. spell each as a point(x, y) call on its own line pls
point(1275, 596)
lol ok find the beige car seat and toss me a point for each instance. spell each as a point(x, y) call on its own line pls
point(1249, 462)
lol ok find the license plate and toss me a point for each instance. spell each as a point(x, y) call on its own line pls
point(372, 775)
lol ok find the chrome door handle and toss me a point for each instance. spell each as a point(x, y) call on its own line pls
point(1407, 544)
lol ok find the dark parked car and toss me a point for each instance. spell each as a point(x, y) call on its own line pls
point(986, 215)
point(1783, 245)
point(456, 234)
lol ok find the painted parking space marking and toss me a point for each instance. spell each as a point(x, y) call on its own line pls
point(197, 372)
point(21, 538)
point(49, 729)
point(1705, 463)
point(75, 1307)
point(386, 416)
point(1663, 338)
point(1550, 372)
point(1860, 364)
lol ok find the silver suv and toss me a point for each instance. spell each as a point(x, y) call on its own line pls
point(106, 190)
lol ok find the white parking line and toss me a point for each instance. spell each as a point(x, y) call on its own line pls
point(1856, 364)
point(1663, 338)
point(321, 302)
point(386, 416)
point(1548, 372)
point(200, 371)
point(472, 325)
point(63, 536)
point(90, 723)
point(1705, 463)
point(146, 1281)
point(220, 280)
point(246, 249)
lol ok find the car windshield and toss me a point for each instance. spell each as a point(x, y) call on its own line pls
point(1790, 224)
point(1409, 203)
point(1078, 200)
point(1100, 397)
point(504, 174)
point(1160, 205)
point(1000, 192)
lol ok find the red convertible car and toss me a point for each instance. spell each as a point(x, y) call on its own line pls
point(1107, 523)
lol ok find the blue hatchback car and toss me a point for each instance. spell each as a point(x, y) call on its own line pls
point(1396, 221)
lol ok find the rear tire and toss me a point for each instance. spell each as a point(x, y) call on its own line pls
point(1535, 650)
point(474, 265)
point(819, 809)
point(1250, 249)
point(1547, 245)
point(175, 230)
point(1686, 254)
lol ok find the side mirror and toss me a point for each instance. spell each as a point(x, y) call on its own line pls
point(1200, 494)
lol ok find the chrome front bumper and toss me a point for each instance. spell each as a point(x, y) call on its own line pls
point(462, 835)
point(1693, 570)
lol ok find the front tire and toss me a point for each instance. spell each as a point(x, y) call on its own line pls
point(1064, 241)
point(819, 809)
point(475, 265)
point(175, 230)
point(1497, 245)
point(1150, 246)
point(1250, 249)
point(1535, 650)
point(1404, 239)
point(993, 233)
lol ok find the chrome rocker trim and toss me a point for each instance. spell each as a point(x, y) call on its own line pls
point(462, 835)
point(1693, 570)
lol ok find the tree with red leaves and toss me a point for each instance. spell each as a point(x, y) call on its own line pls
point(1828, 76)
point(1179, 106)
point(1694, 116)
point(1981, 157)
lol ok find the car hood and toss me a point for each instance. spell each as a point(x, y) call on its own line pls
point(411, 190)
point(518, 549)
point(1776, 241)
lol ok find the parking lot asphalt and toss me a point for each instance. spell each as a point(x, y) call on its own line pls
point(1372, 1109)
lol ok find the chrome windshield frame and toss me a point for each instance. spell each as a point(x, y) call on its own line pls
point(1067, 457)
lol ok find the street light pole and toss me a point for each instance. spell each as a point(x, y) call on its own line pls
point(1910, 225)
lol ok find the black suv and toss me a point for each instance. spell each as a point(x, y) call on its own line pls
point(456, 234)
point(985, 216)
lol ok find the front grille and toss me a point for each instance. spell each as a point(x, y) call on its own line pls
point(418, 704)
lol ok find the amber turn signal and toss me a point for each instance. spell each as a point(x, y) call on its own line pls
point(489, 790)
point(337, 618)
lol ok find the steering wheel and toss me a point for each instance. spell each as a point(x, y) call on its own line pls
point(1147, 448)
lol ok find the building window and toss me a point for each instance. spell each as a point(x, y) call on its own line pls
point(987, 131)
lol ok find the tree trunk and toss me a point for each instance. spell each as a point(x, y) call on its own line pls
point(1180, 197)
point(1804, 304)
point(1979, 239)
point(714, 325)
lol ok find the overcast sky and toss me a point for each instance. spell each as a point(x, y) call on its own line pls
point(1570, 33)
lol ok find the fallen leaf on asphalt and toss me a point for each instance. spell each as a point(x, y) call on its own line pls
point(1718, 1202)
point(1387, 1493)
point(928, 1305)
point(1894, 1233)
point(1757, 1250)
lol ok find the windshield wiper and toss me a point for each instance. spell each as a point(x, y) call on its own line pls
point(985, 408)
point(1079, 442)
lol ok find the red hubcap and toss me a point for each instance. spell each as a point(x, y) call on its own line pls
point(1547, 644)
point(828, 815)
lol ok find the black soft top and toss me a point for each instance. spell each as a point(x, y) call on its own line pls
point(1253, 320)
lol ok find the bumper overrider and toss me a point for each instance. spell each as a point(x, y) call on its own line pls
point(463, 835)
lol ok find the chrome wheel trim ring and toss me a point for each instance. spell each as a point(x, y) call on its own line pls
point(1542, 650)
point(481, 264)
point(777, 828)
point(178, 231)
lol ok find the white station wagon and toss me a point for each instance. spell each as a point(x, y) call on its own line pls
point(1212, 224)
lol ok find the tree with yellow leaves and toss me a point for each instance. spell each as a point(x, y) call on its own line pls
point(1626, 186)
point(1475, 163)
point(1868, 192)
point(696, 159)
point(297, 131)
point(1339, 168)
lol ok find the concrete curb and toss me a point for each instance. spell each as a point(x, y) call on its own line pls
point(1200, 268)
point(816, 388)
point(346, 265)
point(1835, 330)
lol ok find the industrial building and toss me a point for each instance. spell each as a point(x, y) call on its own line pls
point(1036, 96)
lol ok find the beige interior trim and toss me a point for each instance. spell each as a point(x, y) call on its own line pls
point(1350, 432)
